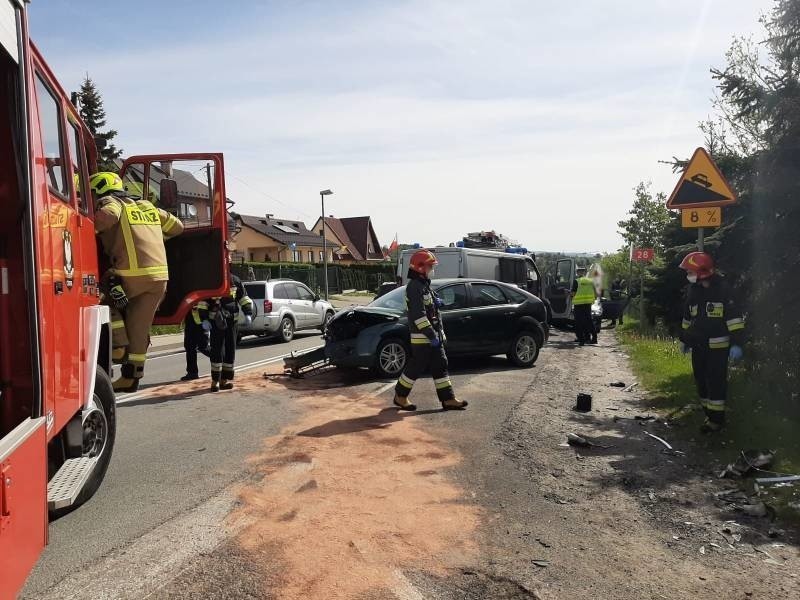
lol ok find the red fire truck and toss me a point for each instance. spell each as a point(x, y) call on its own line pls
point(57, 407)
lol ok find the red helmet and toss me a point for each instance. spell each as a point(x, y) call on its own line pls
point(700, 263)
point(421, 260)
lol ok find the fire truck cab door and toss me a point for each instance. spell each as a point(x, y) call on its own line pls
point(191, 187)
point(23, 503)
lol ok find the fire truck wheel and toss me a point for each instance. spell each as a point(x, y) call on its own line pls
point(99, 432)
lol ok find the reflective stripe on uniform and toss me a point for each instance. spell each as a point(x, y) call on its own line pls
point(406, 382)
point(169, 223)
point(202, 305)
point(717, 405)
point(227, 365)
point(216, 366)
point(141, 214)
point(137, 358)
point(735, 324)
point(246, 301)
point(686, 324)
point(442, 383)
point(716, 343)
point(117, 324)
point(422, 323)
point(419, 338)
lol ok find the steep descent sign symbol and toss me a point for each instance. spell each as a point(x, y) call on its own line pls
point(701, 185)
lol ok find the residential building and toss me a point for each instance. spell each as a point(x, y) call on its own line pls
point(355, 238)
point(273, 239)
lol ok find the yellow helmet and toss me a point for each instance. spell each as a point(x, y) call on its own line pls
point(105, 182)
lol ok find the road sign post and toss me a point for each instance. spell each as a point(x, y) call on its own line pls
point(642, 255)
point(700, 193)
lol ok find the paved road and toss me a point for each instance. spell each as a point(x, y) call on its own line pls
point(172, 453)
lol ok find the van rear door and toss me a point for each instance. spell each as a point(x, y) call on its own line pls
point(559, 288)
point(192, 187)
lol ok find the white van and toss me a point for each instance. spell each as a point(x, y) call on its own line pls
point(454, 263)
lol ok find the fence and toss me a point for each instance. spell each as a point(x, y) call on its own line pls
point(355, 277)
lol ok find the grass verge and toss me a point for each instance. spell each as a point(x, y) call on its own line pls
point(165, 329)
point(755, 419)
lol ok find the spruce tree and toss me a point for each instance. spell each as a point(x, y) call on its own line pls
point(94, 115)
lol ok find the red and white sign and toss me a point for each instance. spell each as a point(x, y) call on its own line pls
point(643, 255)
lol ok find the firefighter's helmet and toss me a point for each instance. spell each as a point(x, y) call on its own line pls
point(421, 260)
point(699, 263)
point(105, 182)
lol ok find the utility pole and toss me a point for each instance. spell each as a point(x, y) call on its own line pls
point(322, 195)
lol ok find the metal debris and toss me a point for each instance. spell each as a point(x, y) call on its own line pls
point(784, 479)
point(669, 447)
point(748, 460)
point(574, 439)
point(631, 387)
point(541, 562)
point(617, 384)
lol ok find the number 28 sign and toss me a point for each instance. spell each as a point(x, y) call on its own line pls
point(643, 255)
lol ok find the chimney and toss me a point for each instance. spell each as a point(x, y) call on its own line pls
point(269, 216)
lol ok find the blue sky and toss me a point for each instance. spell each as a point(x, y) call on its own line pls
point(530, 117)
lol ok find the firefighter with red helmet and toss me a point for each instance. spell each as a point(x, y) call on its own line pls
point(712, 329)
point(427, 337)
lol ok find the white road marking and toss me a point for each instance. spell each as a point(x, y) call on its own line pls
point(122, 399)
point(385, 388)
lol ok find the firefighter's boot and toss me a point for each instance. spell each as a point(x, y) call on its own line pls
point(226, 384)
point(710, 426)
point(454, 404)
point(214, 385)
point(118, 355)
point(126, 381)
point(403, 403)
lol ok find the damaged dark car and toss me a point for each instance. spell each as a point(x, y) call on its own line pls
point(481, 318)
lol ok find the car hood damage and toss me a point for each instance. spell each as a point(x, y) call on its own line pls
point(348, 323)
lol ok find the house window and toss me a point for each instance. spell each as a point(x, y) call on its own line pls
point(208, 213)
point(321, 256)
point(311, 256)
point(251, 257)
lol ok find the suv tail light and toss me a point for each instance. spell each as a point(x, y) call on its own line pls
point(267, 307)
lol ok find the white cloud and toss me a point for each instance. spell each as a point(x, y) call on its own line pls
point(533, 119)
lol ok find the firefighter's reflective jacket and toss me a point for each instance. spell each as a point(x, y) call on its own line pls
point(229, 305)
point(133, 233)
point(423, 314)
point(711, 317)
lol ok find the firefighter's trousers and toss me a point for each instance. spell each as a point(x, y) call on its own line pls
point(710, 368)
point(223, 349)
point(132, 330)
point(425, 356)
point(194, 340)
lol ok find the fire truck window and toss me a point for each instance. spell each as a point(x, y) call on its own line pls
point(78, 159)
point(52, 139)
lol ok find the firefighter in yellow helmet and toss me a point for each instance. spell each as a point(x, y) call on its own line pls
point(132, 233)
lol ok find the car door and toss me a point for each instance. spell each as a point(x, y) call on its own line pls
point(456, 317)
point(298, 306)
point(492, 318)
point(559, 289)
point(191, 186)
point(314, 313)
point(257, 292)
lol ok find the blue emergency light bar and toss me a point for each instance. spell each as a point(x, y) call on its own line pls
point(516, 250)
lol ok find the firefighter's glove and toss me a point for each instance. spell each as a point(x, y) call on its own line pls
point(735, 353)
point(438, 302)
point(436, 342)
point(248, 320)
point(206, 325)
point(685, 349)
point(118, 296)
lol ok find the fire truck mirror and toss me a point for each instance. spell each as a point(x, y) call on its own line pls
point(168, 194)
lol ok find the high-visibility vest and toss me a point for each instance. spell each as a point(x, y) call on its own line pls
point(585, 293)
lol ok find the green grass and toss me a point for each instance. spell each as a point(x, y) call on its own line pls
point(165, 329)
point(755, 418)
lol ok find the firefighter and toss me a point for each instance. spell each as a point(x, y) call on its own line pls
point(427, 337)
point(219, 316)
point(583, 296)
point(132, 233)
point(712, 329)
point(195, 339)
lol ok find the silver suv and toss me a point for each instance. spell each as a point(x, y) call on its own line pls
point(283, 306)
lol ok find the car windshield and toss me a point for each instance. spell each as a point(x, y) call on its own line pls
point(394, 300)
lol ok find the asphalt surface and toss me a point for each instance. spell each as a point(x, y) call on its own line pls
point(171, 454)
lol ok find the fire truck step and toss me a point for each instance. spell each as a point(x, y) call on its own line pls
point(64, 487)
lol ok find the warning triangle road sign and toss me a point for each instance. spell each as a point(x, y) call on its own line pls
point(701, 185)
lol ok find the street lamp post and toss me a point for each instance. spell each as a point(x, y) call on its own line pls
point(322, 195)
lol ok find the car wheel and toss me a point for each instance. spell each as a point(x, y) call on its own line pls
point(286, 330)
point(391, 358)
point(524, 349)
point(326, 320)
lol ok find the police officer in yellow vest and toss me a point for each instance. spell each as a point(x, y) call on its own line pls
point(132, 233)
point(583, 296)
